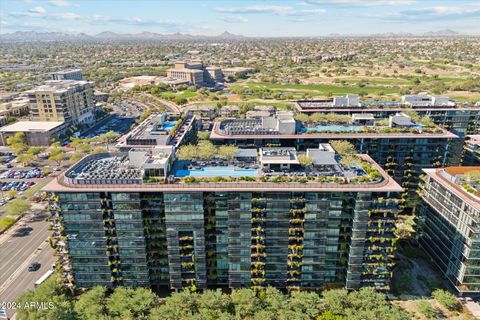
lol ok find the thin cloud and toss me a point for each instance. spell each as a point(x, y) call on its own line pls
point(276, 10)
point(41, 13)
point(105, 20)
point(234, 19)
point(428, 14)
point(60, 3)
point(38, 10)
point(361, 3)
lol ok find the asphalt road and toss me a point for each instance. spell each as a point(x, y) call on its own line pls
point(17, 251)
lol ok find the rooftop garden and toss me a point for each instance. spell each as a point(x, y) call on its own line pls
point(341, 123)
point(205, 150)
point(219, 164)
point(470, 182)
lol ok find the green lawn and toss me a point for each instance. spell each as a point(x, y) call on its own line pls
point(324, 88)
point(392, 81)
point(172, 95)
point(254, 102)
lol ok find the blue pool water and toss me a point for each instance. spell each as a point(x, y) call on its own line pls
point(167, 125)
point(215, 172)
point(333, 128)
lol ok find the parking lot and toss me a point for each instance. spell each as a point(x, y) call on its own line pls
point(22, 174)
point(16, 185)
point(117, 123)
point(16, 178)
point(130, 109)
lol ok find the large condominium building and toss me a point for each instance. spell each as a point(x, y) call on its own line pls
point(449, 224)
point(399, 144)
point(459, 119)
point(68, 101)
point(261, 218)
point(70, 74)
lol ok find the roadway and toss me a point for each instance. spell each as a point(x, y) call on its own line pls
point(17, 250)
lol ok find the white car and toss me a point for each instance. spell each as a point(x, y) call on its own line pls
point(3, 314)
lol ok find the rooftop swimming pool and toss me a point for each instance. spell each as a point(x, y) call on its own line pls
point(210, 171)
point(167, 125)
point(333, 128)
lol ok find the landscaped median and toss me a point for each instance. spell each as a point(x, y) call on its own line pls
point(6, 222)
point(15, 211)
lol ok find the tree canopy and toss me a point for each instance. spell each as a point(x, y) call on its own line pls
point(121, 303)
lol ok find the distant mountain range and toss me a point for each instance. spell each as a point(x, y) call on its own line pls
point(108, 35)
point(440, 33)
point(146, 35)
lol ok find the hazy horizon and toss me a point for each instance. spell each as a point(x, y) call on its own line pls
point(307, 18)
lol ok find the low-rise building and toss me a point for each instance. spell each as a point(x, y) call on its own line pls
point(162, 130)
point(139, 81)
point(15, 107)
point(37, 133)
point(236, 72)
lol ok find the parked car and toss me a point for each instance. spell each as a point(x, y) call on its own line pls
point(34, 266)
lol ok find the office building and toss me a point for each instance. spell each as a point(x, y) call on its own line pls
point(191, 72)
point(449, 225)
point(71, 74)
point(37, 133)
point(142, 218)
point(236, 72)
point(213, 75)
point(197, 74)
point(402, 146)
point(66, 101)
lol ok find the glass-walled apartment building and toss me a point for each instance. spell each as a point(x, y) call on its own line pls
point(449, 226)
point(402, 151)
point(461, 120)
point(231, 234)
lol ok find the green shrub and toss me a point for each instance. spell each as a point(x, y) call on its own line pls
point(426, 309)
point(446, 299)
point(6, 222)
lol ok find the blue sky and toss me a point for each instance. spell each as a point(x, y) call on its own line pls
point(250, 18)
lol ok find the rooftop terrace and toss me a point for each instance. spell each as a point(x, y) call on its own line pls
point(262, 169)
point(283, 125)
point(60, 86)
point(408, 102)
point(462, 181)
point(159, 130)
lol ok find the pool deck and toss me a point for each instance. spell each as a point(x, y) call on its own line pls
point(216, 134)
point(388, 184)
point(213, 171)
